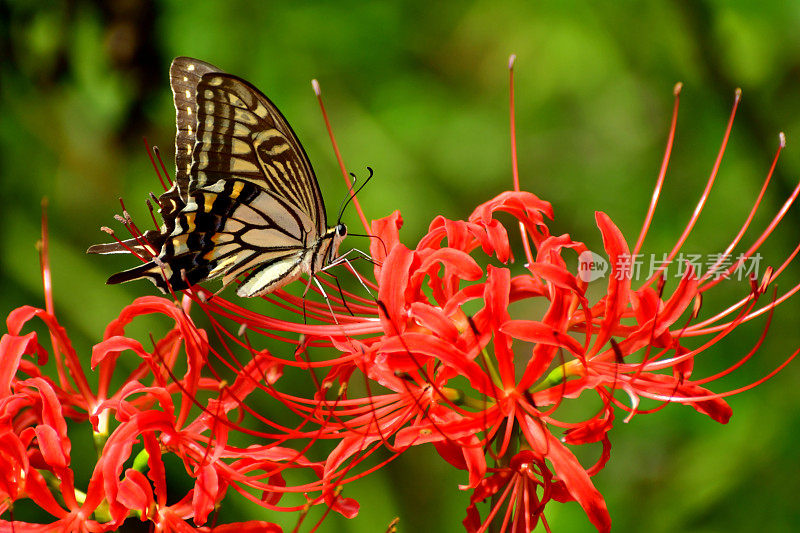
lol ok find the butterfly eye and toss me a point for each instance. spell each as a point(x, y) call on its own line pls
point(341, 230)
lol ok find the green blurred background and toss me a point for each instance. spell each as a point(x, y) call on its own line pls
point(418, 91)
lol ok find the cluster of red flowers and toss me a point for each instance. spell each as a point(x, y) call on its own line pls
point(443, 352)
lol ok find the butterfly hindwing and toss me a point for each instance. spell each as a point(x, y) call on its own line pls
point(241, 226)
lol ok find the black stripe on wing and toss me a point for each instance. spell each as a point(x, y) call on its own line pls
point(241, 134)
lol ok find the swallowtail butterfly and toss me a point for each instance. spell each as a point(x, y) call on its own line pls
point(245, 196)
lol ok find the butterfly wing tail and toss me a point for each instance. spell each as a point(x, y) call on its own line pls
point(116, 248)
point(147, 245)
point(150, 270)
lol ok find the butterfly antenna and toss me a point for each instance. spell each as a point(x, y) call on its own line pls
point(354, 193)
point(346, 199)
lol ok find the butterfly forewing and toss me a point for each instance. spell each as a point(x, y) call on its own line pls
point(242, 135)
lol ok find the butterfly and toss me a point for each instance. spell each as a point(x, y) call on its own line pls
point(245, 197)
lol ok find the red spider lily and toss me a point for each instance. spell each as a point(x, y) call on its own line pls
point(35, 411)
point(485, 386)
point(451, 351)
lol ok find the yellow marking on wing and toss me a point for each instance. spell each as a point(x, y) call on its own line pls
point(246, 259)
point(190, 67)
point(202, 160)
point(278, 166)
point(235, 100)
point(261, 111)
point(226, 248)
point(226, 263)
point(278, 149)
point(272, 277)
point(239, 147)
point(237, 189)
point(271, 171)
point(242, 165)
point(188, 93)
point(189, 219)
point(244, 116)
point(220, 251)
point(221, 238)
point(215, 81)
point(179, 244)
point(209, 201)
point(245, 95)
point(240, 130)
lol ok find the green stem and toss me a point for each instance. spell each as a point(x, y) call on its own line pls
point(558, 376)
point(490, 368)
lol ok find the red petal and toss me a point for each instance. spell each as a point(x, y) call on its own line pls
point(407, 353)
point(434, 319)
point(388, 236)
point(156, 472)
point(393, 283)
point(619, 282)
point(568, 469)
point(50, 444)
point(525, 206)
point(535, 331)
point(12, 348)
point(135, 493)
point(557, 275)
point(113, 346)
point(205, 495)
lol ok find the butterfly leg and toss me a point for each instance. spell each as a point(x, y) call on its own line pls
point(361, 255)
point(305, 291)
point(343, 260)
point(341, 293)
point(324, 295)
